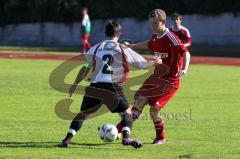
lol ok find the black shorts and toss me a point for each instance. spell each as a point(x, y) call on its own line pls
point(109, 94)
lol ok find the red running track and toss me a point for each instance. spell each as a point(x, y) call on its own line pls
point(227, 61)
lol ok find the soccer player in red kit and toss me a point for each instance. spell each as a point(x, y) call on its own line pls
point(159, 87)
point(181, 31)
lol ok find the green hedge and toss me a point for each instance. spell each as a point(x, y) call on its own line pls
point(20, 11)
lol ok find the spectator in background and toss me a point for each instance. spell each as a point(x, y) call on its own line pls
point(85, 30)
point(181, 31)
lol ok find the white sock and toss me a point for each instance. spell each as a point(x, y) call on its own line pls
point(72, 131)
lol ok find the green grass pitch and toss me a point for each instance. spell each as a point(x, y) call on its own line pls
point(208, 101)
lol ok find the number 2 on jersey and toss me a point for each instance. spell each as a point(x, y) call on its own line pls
point(109, 59)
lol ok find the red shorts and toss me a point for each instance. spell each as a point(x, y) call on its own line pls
point(85, 37)
point(85, 44)
point(157, 90)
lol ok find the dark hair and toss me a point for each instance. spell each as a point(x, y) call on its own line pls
point(176, 15)
point(85, 8)
point(112, 28)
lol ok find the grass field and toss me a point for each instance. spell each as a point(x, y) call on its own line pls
point(31, 129)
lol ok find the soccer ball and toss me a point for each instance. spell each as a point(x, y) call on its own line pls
point(108, 132)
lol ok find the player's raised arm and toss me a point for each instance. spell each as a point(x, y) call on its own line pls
point(150, 63)
point(185, 65)
point(141, 45)
point(138, 61)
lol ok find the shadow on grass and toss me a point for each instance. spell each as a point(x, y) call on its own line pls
point(28, 144)
point(54, 145)
point(187, 156)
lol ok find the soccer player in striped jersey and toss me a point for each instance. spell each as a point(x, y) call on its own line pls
point(110, 63)
point(159, 87)
point(182, 32)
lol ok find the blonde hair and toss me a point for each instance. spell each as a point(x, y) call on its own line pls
point(159, 14)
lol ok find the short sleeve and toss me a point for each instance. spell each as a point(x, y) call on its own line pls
point(181, 48)
point(188, 33)
point(188, 37)
point(134, 58)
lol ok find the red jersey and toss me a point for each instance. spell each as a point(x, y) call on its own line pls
point(170, 49)
point(183, 34)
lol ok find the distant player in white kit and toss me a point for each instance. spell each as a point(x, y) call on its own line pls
point(180, 31)
point(110, 63)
